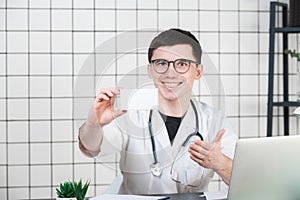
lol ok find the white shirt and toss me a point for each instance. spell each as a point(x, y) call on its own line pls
point(129, 135)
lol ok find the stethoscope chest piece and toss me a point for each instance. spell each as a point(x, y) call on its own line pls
point(155, 169)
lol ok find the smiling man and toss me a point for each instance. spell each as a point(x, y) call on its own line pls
point(184, 141)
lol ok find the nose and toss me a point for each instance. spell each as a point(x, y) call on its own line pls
point(171, 72)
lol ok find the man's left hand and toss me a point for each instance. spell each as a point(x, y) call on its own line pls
point(210, 156)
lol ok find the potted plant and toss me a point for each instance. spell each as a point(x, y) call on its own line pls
point(72, 190)
point(297, 56)
point(293, 54)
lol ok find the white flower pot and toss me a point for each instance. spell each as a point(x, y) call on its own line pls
point(58, 198)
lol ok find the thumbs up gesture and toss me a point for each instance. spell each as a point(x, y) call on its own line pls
point(210, 156)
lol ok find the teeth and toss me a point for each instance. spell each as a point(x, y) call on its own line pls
point(171, 85)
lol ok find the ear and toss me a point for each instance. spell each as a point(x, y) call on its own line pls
point(199, 72)
point(149, 69)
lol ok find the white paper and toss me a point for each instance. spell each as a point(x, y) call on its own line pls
point(136, 99)
point(216, 195)
point(126, 197)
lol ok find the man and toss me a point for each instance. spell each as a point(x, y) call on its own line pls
point(175, 147)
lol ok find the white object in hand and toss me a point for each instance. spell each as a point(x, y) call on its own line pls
point(137, 99)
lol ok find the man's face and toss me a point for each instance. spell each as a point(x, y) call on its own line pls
point(171, 84)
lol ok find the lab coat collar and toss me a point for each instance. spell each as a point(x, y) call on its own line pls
point(187, 126)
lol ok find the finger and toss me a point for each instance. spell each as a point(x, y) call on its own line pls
point(203, 144)
point(108, 92)
point(197, 160)
point(118, 113)
point(198, 149)
point(196, 154)
point(102, 97)
point(113, 93)
point(219, 136)
point(116, 91)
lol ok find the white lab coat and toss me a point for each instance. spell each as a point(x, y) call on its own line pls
point(129, 135)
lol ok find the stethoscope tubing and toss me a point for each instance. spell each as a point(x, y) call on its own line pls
point(152, 137)
point(153, 144)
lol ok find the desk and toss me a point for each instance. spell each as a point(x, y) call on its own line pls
point(192, 196)
point(179, 196)
point(185, 196)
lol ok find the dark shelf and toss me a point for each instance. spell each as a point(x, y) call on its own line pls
point(287, 103)
point(288, 30)
point(284, 30)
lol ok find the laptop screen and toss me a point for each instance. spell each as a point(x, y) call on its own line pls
point(266, 168)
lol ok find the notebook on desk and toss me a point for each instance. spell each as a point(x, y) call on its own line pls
point(266, 169)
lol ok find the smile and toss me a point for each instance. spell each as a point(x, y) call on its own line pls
point(171, 85)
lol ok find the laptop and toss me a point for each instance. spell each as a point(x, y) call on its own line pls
point(266, 169)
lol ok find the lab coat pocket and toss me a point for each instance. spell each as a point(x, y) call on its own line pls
point(186, 171)
point(194, 176)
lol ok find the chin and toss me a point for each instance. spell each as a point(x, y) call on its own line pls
point(168, 95)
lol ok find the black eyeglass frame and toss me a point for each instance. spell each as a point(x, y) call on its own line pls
point(174, 66)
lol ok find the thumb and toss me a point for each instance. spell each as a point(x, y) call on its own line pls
point(219, 136)
point(118, 113)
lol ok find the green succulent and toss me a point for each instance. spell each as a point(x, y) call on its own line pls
point(71, 189)
point(293, 54)
point(80, 190)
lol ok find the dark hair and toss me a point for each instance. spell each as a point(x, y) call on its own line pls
point(175, 36)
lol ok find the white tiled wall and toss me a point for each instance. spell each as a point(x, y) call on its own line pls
point(45, 45)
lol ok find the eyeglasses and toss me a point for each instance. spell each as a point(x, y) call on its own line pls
point(184, 170)
point(180, 65)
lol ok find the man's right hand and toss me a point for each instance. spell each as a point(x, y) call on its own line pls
point(103, 111)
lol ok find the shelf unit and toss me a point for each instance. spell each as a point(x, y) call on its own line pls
point(284, 30)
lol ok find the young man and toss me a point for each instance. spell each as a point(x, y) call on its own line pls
point(175, 147)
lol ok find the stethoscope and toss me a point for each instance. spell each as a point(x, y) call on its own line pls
point(155, 167)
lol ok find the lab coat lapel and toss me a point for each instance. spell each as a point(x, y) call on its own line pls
point(159, 128)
